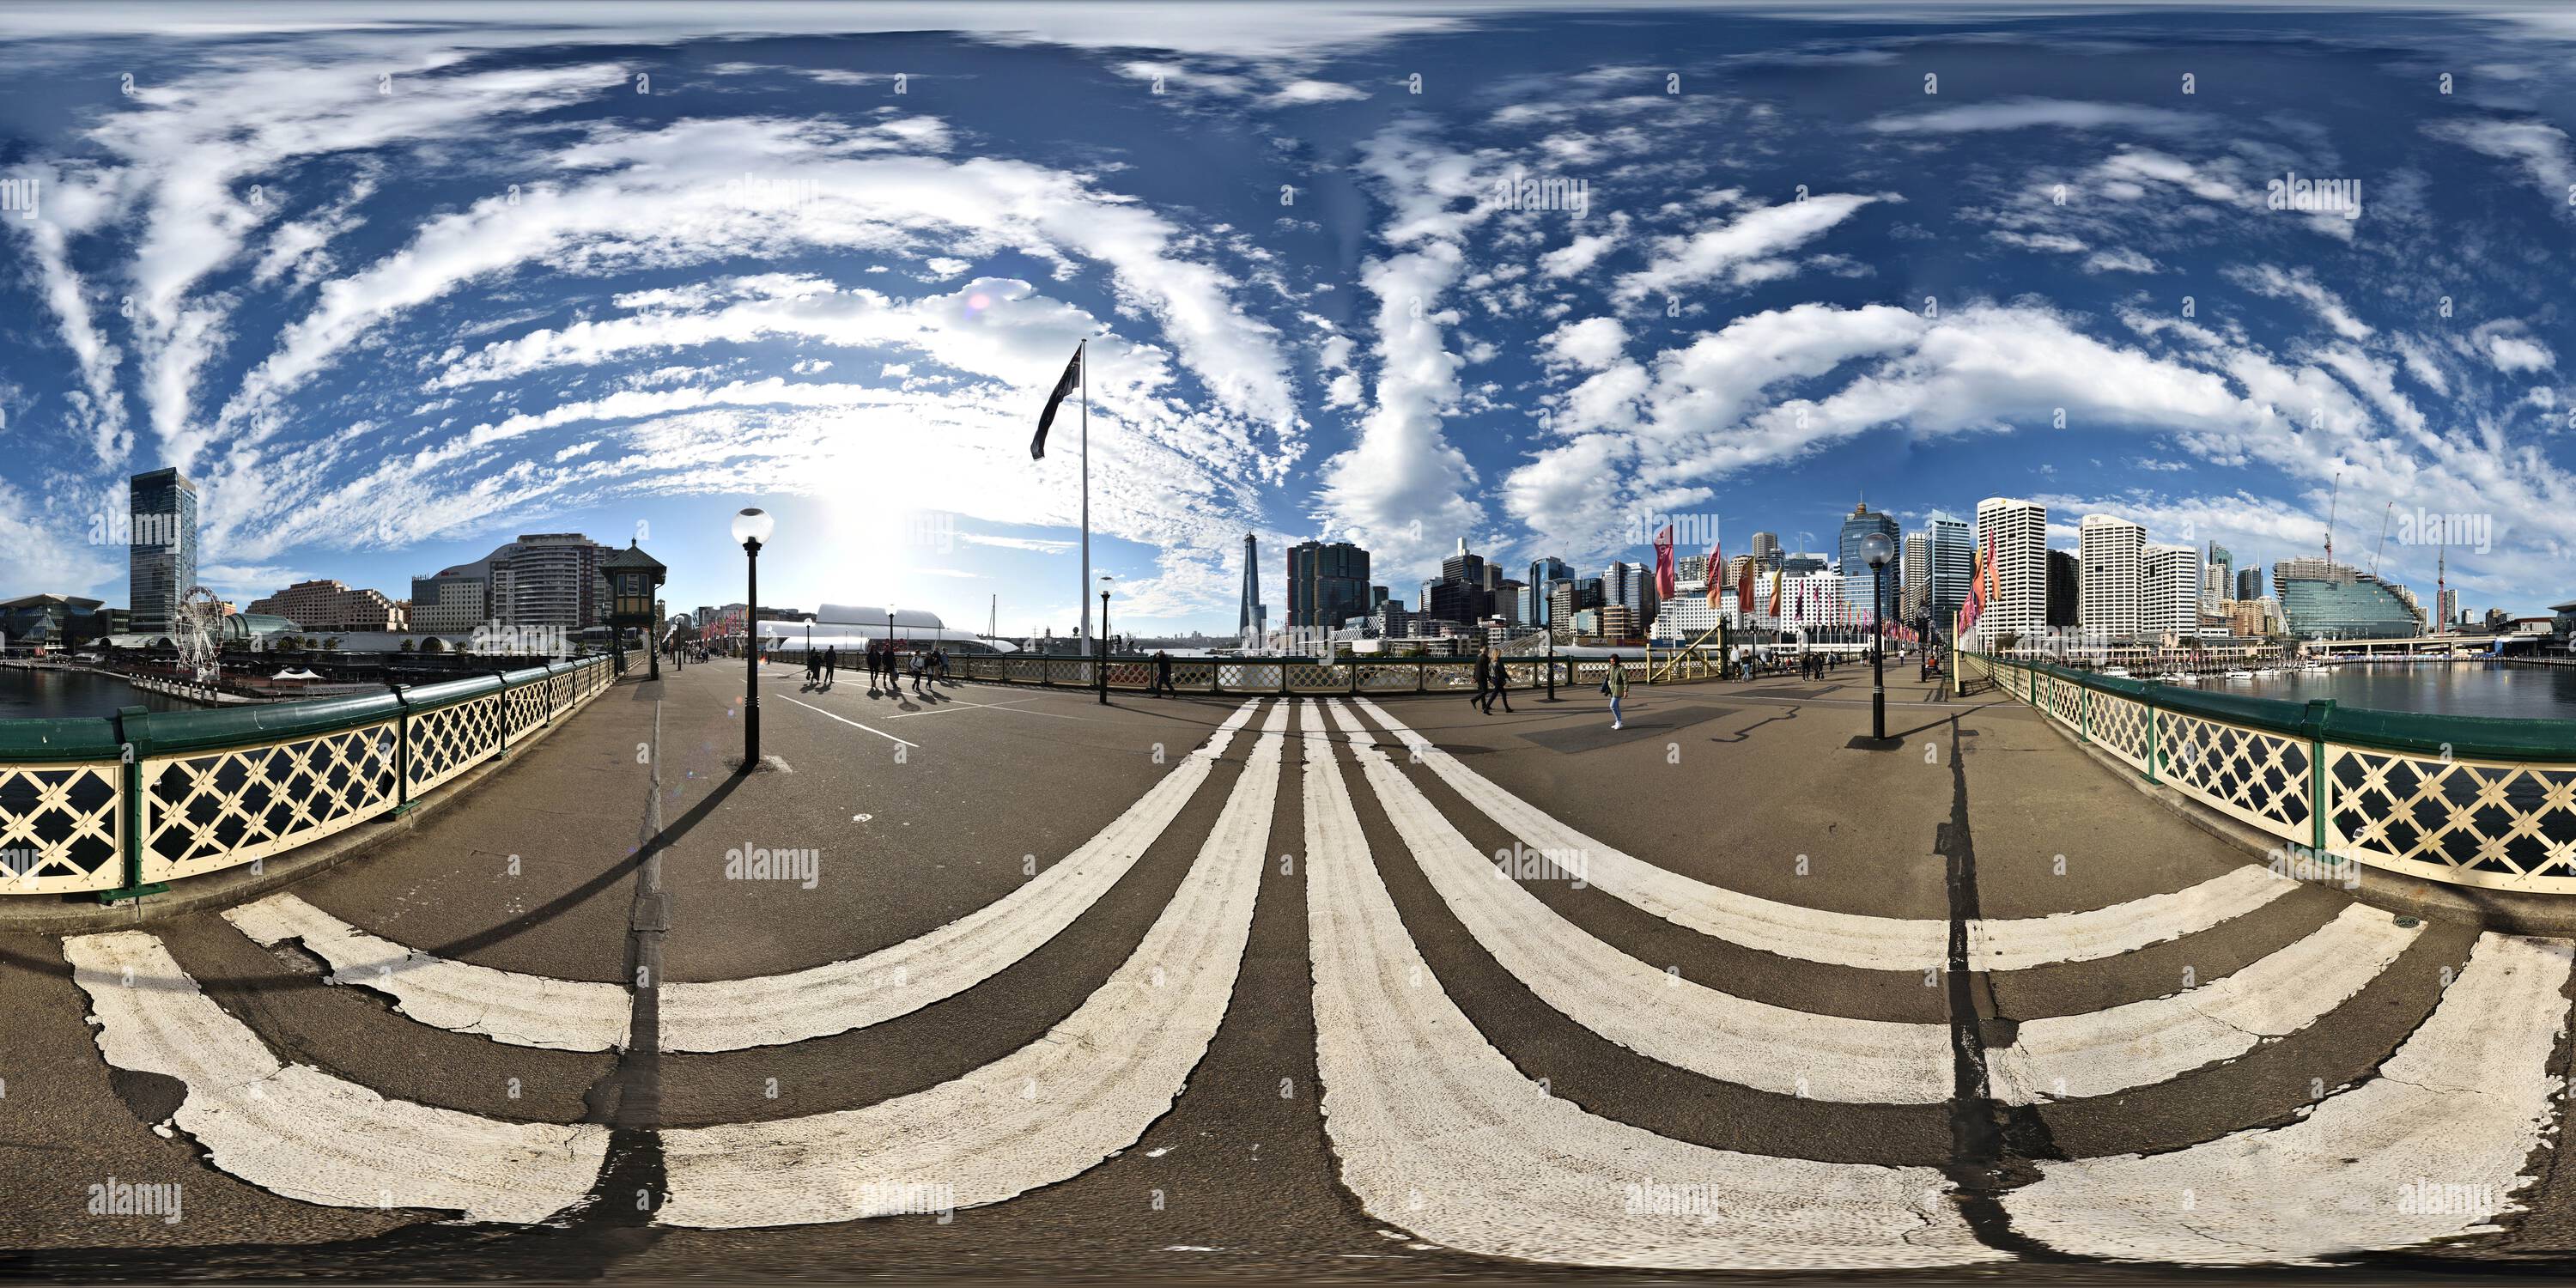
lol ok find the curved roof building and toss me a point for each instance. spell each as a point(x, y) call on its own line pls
point(2322, 600)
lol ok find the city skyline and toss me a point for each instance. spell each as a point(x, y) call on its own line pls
point(379, 358)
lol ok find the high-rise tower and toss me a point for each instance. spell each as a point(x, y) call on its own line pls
point(1254, 620)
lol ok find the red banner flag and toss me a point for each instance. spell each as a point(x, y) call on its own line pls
point(1664, 579)
point(1716, 575)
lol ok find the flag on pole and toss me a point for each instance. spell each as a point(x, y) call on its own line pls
point(1063, 387)
point(1716, 577)
point(1775, 593)
point(1979, 586)
point(1744, 590)
point(1664, 579)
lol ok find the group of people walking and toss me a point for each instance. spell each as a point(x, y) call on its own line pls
point(1493, 682)
point(887, 665)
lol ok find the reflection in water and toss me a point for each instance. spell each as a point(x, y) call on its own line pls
point(64, 695)
point(2441, 688)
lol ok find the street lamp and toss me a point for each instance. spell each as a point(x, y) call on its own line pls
point(752, 528)
point(1101, 675)
point(1876, 550)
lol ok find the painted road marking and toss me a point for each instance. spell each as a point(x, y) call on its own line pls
point(772, 1010)
point(847, 721)
point(2432, 1146)
point(1849, 939)
point(505, 1006)
point(302, 1133)
point(1049, 1111)
point(948, 704)
point(2149, 1041)
point(1639, 1006)
point(1439, 1135)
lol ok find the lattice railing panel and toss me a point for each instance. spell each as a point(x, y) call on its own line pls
point(447, 741)
point(226, 808)
point(2063, 699)
point(2120, 727)
point(2473, 822)
point(1441, 677)
point(1386, 679)
point(1251, 677)
point(2261, 778)
point(60, 830)
point(526, 705)
point(1311, 677)
point(1197, 677)
point(1130, 675)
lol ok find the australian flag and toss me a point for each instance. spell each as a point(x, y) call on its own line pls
point(1072, 379)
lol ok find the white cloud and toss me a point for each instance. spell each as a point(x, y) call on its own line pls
point(2541, 149)
point(2030, 113)
point(1744, 250)
point(2302, 285)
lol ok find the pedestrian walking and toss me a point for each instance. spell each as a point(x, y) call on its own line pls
point(1616, 685)
point(831, 663)
point(1163, 673)
point(1484, 698)
point(813, 669)
point(1502, 683)
point(920, 662)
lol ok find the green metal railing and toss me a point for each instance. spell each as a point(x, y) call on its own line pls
point(124, 805)
point(1284, 676)
point(2468, 800)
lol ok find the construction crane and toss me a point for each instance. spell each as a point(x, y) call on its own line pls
point(2383, 538)
point(2331, 498)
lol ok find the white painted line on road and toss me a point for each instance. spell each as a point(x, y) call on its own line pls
point(505, 1006)
point(2433, 1146)
point(1639, 1006)
point(2120, 1047)
point(947, 705)
point(1438, 1134)
point(1045, 1113)
point(851, 723)
point(773, 1010)
point(302, 1133)
point(1850, 939)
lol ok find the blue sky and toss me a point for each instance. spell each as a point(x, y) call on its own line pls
point(396, 288)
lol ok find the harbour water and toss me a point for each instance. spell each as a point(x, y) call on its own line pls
point(2438, 688)
point(64, 695)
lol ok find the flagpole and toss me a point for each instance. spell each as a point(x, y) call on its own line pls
point(1082, 593)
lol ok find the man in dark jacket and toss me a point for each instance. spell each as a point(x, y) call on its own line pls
point(1163, 673)
point(1484, 698)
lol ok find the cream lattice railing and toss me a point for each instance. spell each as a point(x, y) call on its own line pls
point(2465, 800)
point(122, 805)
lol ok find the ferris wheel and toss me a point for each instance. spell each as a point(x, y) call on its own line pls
point(197, 632)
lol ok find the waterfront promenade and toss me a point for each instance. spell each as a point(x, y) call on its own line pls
point(1209, 986)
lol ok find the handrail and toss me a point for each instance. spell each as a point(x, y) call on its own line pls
point(2480, 737)
point(2465, 800)
point(117, 806)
